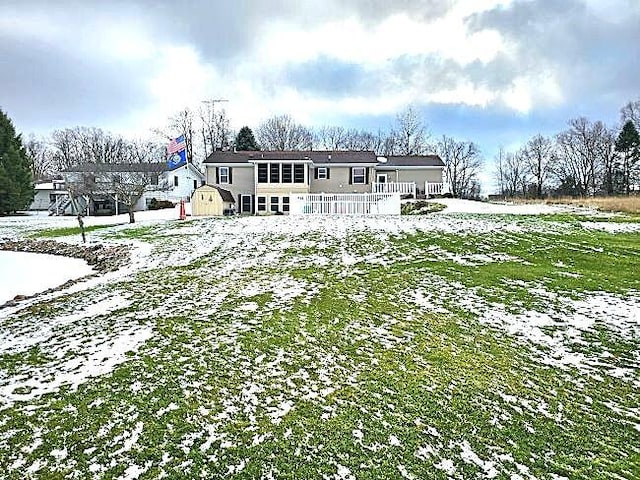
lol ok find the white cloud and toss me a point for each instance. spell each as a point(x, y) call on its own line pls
point(349, 40)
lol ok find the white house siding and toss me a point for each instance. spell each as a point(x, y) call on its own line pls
point(41, 199)
point(186, 175)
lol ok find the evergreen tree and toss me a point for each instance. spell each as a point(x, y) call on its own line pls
point(16, 183)
point(245, 140)
point(628, 145)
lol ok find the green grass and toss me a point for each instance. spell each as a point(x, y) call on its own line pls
point(352, 352)
point(67, 231)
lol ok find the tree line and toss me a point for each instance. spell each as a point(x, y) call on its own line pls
point(207, 130)
point(587, 158)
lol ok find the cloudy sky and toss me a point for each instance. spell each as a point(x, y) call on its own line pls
point(492, 71)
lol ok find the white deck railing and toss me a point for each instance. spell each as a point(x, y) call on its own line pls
point(403, 188)
point(345, 203)
point(431, 188)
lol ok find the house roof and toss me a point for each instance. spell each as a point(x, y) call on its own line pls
point(189, 165)
point(118, 167)
point(412, 161)
point(226, 195)
point(318, 157)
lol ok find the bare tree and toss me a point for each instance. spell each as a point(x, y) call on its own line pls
point(410, 135)
point(98, 146)
point(66, 149)
point(127, 186)
point(538, 154)
point(631, 111)
point(73, 146)
point(145, 151)
point(42, 164)
point(331, 138)
point(283, 133)
point(583, 151)
point(462, 165)
point(215, 127)
point(517, 173)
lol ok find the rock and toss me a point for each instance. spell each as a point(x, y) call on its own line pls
point(103, 259)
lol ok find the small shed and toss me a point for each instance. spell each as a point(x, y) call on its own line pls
point(208, 200)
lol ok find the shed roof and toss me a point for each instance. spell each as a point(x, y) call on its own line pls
point(226, 195)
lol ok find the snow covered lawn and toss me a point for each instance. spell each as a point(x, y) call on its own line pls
point(451, 345)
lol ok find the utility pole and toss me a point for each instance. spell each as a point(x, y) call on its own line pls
point(213, 102)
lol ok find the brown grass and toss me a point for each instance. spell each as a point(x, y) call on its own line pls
point(629, 204)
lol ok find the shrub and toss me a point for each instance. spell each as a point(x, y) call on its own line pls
point(156, 204)
point(421, 208)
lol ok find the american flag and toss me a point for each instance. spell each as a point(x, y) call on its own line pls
point(176, 145)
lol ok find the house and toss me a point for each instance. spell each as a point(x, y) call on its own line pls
point(48, 196)
point(208, 200)
point(112, 188)
point(264, 182)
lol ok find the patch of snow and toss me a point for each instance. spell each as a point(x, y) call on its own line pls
point(23, 273)
point(446, 466)
point(455, 205)
point(59, 455)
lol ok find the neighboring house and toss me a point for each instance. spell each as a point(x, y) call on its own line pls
point(263, 182)
point(95, 187)
point(48, 195)
point(208, 201)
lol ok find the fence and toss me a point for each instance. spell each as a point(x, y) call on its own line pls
point(346, 203)
point(403, 188)
point(432, 188)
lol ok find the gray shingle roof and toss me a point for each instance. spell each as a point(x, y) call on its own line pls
point(319, 157)
point(226, 195)
point(413, 161)
point(119, 167)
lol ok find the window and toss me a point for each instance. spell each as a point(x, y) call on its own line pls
point(274, 204)
point(154, 180)
point(175, 180)
point(321, 173)
point(287, 173)
point(195, 184)
point(358, 175)
point(263, 173)
point(245, 203)
point(285, 204)
point(262, 204)
point(274, 173)
point(223, 174)
point(298, 173)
